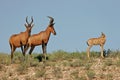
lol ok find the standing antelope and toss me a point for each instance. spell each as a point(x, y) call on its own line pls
point(96, 41)
point(41, 38)
point(21, 39)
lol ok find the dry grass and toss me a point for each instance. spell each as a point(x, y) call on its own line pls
point(61, 65)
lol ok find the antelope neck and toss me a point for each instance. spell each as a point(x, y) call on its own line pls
point(27, 32)
point(48, 31)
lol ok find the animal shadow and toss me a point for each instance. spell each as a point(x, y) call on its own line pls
point(41, 58)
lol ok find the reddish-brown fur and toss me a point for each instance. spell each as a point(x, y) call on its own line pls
point(21, 39)
point(41, 38)
point(96, 41)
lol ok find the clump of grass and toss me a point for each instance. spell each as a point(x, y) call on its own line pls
point(77, 63)
point(22, 68)
point(108, 62)
point(118, 63)
point(63, 55)
point(49, 63)
point(113, 54)
point(75, 55)
point(102, 76)
point(40, 73)
point(59, 55)
point(18, 57)
point(82, 78)
point(34, 64)
point(90, 74)
point(95, 54)
point(88, 66)
point(28, 62)
point(83, 56)
point(4, 59)
point(57, 72)
point(66, 63)
point(109, 76)
point(75, 75)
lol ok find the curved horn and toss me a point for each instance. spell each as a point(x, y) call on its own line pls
point(51, 19)
point(27, 20)
point(32, 20)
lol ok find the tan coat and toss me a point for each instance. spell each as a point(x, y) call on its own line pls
point(96, 41)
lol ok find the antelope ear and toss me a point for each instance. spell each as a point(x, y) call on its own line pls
point(25, 25)
point(32, 25)
point(53, 23)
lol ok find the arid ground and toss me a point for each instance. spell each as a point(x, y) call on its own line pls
point(61, 65)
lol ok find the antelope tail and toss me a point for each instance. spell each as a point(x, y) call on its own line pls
point(10, 45)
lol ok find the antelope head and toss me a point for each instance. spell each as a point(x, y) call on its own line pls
point(29, 25)
point(51, 25)
point(102, 34)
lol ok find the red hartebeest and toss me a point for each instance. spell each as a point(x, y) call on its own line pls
point(21, 39)
point(96, 41)
point(41, 38)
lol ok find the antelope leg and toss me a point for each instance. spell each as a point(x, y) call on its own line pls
point(12, 51)
point(88, 51)
point(102, 51)
point(44, 46)
point(31, 49)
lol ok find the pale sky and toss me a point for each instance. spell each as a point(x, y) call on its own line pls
point(75, 22)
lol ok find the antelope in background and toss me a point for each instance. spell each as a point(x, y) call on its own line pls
point(21, 39)
point(96, 41)
point(41, 38)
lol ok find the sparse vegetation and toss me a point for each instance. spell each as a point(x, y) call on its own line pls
point(118, 63)
point(90, 74)
point(22, 68)
point(61, 65)
point(75, 75)
point(40, 73)
point(108, 62)
point(57, 72)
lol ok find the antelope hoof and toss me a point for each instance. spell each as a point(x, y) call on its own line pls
point(12, 61)
point(102, 57)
